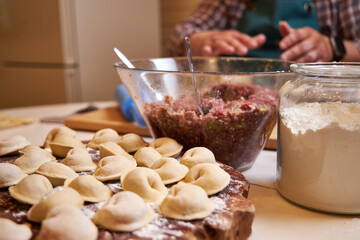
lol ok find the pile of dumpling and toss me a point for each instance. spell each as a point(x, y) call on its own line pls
point(48, 179)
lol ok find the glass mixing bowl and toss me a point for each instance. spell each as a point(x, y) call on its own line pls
point(229, 105)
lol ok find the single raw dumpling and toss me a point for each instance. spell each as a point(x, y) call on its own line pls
point(145, 182)
point(12, 144)
point(209, 176)
point(63, 130)
point(10, 174)
point(29, 147)
point(125, 211)
point(112, 149)
point(131, 142)
point(147, 156)
point(197, 155)
point(90, 189)
point(31, 189)
point(170, 170)
point(186, 202)
point(167, 147)
point(62, 144)
point(32, 159)
point(113, 167)
point(67, 222)
point(103, 136)
point(13, 231)
point(58, 196)
point(56, 172)
point(79, 160)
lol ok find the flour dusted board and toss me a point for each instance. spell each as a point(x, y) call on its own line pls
point(231, 218)
point(111, 117)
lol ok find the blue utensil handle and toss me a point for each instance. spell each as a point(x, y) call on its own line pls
point(127, 106)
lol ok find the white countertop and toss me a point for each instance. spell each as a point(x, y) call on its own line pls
point(275, 217)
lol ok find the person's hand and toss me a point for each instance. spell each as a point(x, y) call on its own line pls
point(304, 44)
point(214, 42)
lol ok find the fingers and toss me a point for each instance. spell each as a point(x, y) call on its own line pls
point(310, 46)
point(294, 37)
point(311, 56)
point(247, 41)
point(208, 51)
point(243, 42)
point(224, 42)
point(238, 44)
point(298, 50)
point(285, 28)
point(260, 39)
point(223, 46)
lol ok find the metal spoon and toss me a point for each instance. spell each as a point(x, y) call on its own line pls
point(189, 56)
point(123, 58)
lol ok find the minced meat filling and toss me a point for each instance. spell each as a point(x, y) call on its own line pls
point(236, 121)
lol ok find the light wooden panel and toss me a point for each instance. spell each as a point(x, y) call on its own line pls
point(173, 12)
point(131, 26)
point(31, 86)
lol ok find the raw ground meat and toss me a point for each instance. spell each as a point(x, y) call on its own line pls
point(236, 123)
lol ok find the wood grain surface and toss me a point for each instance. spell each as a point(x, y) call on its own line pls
point(110, 117)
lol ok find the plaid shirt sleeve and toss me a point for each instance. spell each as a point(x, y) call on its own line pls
point(340, 18)
point(210, 15)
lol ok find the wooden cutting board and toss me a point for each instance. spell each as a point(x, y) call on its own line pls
point(271, 143)
point(111, 117)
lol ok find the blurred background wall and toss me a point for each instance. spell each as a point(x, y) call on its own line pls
point(173, 12)
point(57, 51)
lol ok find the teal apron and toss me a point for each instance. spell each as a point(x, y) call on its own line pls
point(263, 16)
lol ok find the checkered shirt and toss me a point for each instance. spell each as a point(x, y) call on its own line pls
point(336, 18)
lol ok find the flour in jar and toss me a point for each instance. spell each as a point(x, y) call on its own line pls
point(319, 155)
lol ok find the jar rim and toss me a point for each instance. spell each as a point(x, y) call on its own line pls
point(330, 69)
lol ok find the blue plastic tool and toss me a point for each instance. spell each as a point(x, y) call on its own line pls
point(127, 106)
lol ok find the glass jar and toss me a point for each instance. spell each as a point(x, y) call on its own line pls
point(318, 153)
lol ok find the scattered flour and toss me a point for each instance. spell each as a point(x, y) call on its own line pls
point(90, 210)
point(159, 228)
point(19, 214)
point(114, 187)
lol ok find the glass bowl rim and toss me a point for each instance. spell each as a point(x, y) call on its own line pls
point(122, 65)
